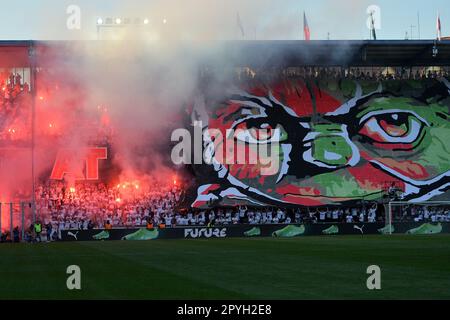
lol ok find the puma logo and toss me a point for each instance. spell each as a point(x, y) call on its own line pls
point(359, 228)
point(73, 234)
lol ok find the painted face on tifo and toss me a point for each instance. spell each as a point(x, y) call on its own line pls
point(333, 141)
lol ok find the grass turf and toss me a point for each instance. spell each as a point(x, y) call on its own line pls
point(326, 267)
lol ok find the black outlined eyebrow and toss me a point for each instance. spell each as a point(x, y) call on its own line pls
point(360, 106)
point(267, 106)
point(364, 107)
point(244, 101)
point(238, 113)
point(254, 99)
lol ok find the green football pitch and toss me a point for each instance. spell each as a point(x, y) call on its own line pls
point(327, 267)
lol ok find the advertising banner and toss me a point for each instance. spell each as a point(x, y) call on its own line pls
point(248, 231)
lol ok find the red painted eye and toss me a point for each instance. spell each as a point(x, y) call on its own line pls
point(259, 133)
point(264, 132)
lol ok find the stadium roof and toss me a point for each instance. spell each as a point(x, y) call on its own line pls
point(340, 53)
point(282, 53)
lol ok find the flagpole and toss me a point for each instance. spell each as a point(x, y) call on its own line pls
point(240, 26)
point(438, 27)
point(304, 20)
point(304, 25)
point(237, 25)
point(374, 34)
point(32, 57)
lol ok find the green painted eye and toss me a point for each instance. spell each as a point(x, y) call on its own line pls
point(392, 126)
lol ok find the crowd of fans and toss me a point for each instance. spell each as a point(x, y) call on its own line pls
point(14, 107)
point(11, 85)
point(126, 205)
point(130, 205)
point(405, 213)
point(90, 205)
point(339, 73)
point(53, 101)
point(271, 215)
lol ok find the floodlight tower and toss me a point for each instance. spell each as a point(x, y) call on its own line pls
point(119, 22)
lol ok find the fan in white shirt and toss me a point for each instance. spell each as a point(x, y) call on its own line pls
point(349, 218)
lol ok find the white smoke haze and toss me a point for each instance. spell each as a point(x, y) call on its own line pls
point(191, 20)
point(143, 90)
point(147, 76)
point(200, 20)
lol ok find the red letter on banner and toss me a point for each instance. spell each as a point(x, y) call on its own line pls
point(92, 157)
point(67, 163)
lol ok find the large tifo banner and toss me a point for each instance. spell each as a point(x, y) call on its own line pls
point(247, 231)
point(334, 141)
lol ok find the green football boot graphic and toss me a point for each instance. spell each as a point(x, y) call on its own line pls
point(426, 228)
point(101, 235)
point(289, 231)
point(386, 229)
point(255, 231)
point(331, 230)
point(142, 234)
